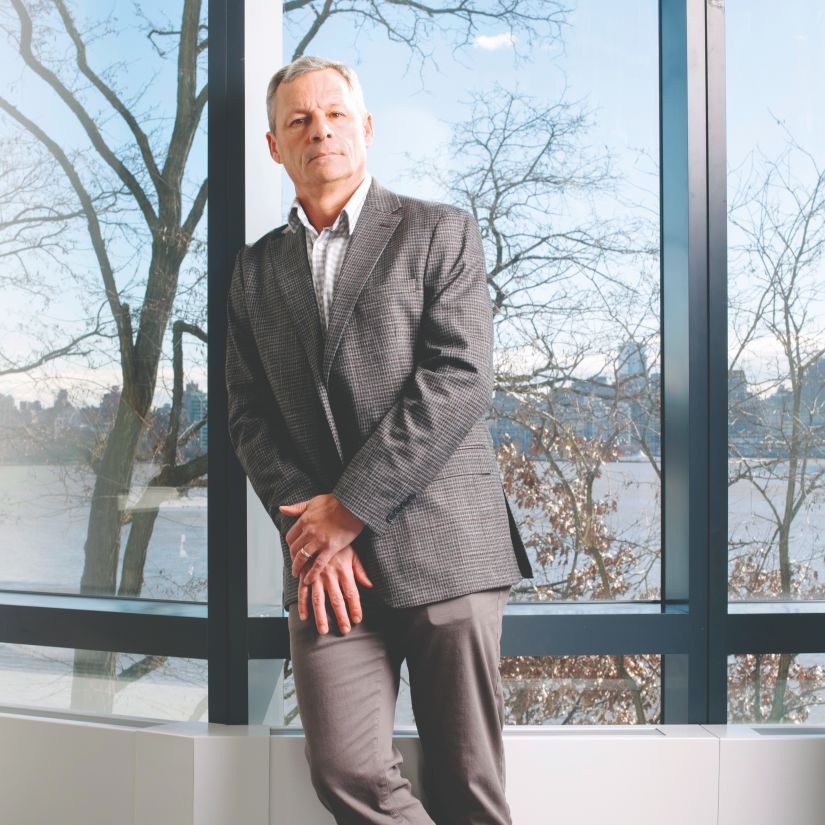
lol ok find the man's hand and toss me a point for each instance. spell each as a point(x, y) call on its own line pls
point(324, 527)
point(337, 580)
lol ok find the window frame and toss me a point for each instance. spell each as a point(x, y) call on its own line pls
point(691, 628)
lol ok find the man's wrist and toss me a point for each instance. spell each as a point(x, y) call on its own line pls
point(352, 506)
point(349, 512)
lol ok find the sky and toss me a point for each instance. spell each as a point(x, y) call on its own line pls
point(413, 110)
point(606, 60)
point(147, 83)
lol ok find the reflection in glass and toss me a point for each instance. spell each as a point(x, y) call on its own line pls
point(552, 690)
point(776, 241)
point(582, 690)
point(154, 687)
point(776, 687)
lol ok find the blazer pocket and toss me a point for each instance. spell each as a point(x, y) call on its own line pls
point(469, 460)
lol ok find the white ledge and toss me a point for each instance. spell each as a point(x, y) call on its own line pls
point(97, 771)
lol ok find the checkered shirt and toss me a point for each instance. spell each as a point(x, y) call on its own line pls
point(325, 251)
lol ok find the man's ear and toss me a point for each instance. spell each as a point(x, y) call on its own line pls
point(368, 129)
point(273, 147)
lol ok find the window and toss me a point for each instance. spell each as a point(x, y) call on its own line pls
point(103, 397)
point(628, 217)
point(103, 402)
point(557, 160)
point(776, 241)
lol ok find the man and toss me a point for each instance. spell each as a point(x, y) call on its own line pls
point(359, 372)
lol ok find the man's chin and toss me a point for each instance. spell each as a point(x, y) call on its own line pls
point(331, 175)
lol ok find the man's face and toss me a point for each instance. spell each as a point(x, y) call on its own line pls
point(321, 137)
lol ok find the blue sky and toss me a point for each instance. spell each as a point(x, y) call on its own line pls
point(413, 110)
point(607, 60)
point(147, 83)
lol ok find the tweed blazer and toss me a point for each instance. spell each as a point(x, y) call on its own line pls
point(386, 408)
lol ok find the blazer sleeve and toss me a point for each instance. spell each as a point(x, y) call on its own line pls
point(257, 428)
point(449, 390)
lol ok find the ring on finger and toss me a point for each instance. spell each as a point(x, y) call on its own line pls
point(305, 554)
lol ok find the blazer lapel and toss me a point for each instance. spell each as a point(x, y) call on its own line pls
point(291, 273)
point(380, 215)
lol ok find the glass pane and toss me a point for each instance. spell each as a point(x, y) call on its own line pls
point(774, 687)
point(103, 433)
point(776, 240)
point(267, 692)
point(553, 690)
point(582, 690)
point(108, 684)
point(512, 119)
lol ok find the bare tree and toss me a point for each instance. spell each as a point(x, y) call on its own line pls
point(146, 201)
point(36, 231)
point(562, 293)
point(153, 179)
point(777, 220)
point(419, 25)
point(568, 285)
point(773, 687)
point(171, 475)
point(569, 690)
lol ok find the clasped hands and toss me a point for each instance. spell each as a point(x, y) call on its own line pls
point(325, 530)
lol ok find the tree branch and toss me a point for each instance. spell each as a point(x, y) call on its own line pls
point(129, 180)
point(66, 349)
point(196, 212)
point(120, 312)
point(138, 133)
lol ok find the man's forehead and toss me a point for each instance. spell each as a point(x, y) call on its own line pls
point(307, 101)
point(324, 85)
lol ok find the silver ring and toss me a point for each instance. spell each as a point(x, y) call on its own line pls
point(304, 553)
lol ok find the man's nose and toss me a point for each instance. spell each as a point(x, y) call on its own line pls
point(321, 128)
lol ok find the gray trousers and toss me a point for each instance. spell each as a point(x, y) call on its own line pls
point(347, 687)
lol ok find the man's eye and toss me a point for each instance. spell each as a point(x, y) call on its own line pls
point(337, 114)
point(297, 120)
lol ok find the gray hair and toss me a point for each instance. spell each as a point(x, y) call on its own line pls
point(303, 65)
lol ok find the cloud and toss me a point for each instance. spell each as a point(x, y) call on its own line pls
point(491, 43)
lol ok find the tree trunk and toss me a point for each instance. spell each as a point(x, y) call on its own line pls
point(145, 514)
point(93, 687)
point(114, 478)
point(757, 689)
point(777, 713)
point(134, 558)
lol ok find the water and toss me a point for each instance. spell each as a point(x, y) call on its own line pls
point(44, 514)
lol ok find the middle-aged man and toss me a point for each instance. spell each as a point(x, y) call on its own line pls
point(359, 373)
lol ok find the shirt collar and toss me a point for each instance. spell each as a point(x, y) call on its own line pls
point(348, 215)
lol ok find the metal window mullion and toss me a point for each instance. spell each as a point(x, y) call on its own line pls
point(91, 629)
point(717, 365)
point(685, 429)
point(227, 568)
